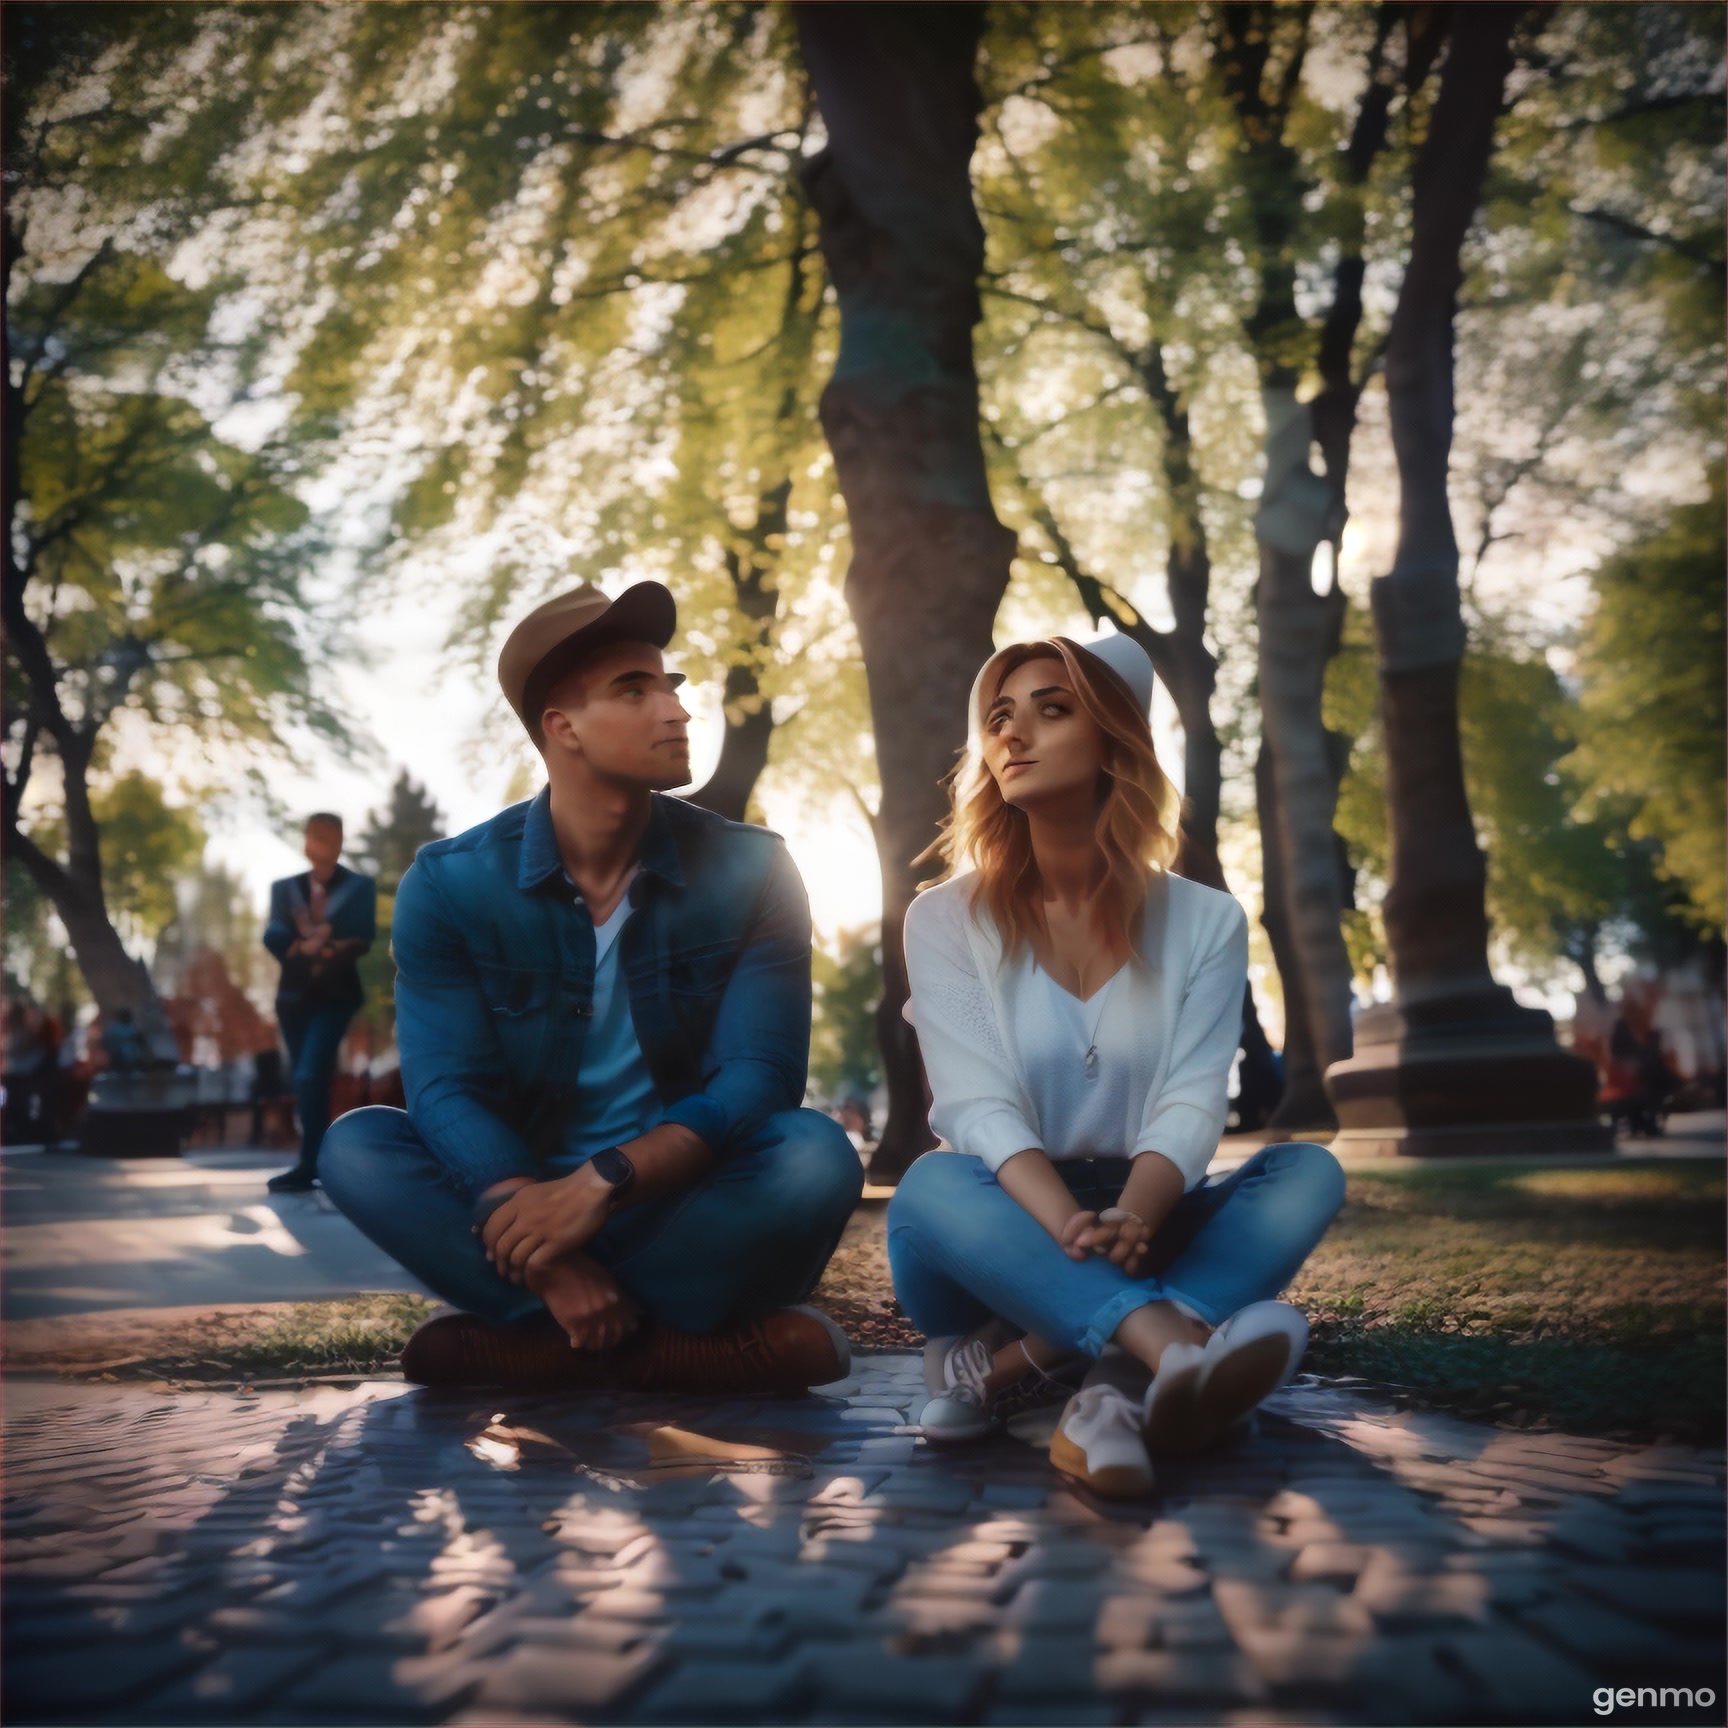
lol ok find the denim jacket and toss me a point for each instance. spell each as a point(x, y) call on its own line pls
point(495, 966)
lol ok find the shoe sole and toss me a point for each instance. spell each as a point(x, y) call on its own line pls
point(1112, 1482)
point(1242, 1380)
point(957, 1436)
point(842, 1344)
point(1178, 1421)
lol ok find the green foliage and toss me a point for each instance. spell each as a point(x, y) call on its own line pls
point(385, 847)
point(846, 988)
point(38, 963)
point(149, 847)
point(1554, 877)
point(1652, 702)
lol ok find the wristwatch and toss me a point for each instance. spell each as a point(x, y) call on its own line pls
point(614, 1168)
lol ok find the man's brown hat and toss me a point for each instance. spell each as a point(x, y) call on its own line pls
point(553, 637)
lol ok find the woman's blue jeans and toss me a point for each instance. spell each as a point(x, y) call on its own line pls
point(963, 1249)
point(754, 1235)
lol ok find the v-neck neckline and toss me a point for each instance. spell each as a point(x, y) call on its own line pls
point(1082, 1001)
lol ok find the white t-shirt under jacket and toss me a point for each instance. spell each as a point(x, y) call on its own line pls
point(1005, 1046)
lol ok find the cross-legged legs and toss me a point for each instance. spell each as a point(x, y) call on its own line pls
point(752, 1237)
point(962, 1249)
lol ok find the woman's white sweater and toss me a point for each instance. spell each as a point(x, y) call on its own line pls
point(1005, 1058)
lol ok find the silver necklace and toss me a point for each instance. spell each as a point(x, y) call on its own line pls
point(1090, 1067)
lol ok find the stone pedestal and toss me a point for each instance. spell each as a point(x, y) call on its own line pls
point(1473, 1075)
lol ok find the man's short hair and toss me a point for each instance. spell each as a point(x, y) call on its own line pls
point(328, 816)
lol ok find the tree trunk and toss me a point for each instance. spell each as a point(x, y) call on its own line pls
point(1298, 633)
point(1436, 918)
point(893, 195)
point(1304, 1103)
point(1453, 1064)
point(749, 716)
point(1193, 673)
point(115, 980)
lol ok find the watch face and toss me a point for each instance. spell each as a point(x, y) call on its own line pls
point(612, 1166)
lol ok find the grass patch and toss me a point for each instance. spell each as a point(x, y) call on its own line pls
point(1589, 1299)
point(359, 1336)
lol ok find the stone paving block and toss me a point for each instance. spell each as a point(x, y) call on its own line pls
point(1008, 1497)
point(912, 1489)
point(1338, 1560)
point(236, 1681)
point(52, 1685)
point(1595, 1529)
point(1663, 1593)
point(1640, 1495)
point(1170, 1676)
point(1052, 1604)
point(911, 1688)
point(1597, 1634)
point(1692, 1535)
point(1287, 1658)
point(1408, 1679)
point(1019, 1714)
point(722, 1692)
point(1310, 1609)
point(537, 1677)
point(1391, 1593)
point(1046, 1666)
point(804, 1613)
point(1523, 1680)
point(935, 1617)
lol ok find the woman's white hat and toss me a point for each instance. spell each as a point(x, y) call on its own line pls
point(1121, 655)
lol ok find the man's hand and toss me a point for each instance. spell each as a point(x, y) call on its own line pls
point(584, 1298)
point(545, 1221)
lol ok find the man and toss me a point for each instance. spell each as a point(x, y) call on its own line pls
point(603, 1011)
point(321, 922)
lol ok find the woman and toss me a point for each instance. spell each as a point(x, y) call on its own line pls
point(1079, 1009)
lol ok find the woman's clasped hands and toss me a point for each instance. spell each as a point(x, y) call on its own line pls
point(1115, 1234)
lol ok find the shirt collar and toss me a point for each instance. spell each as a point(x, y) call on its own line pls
point(541, 862)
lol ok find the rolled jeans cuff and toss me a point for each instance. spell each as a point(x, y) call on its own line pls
point(1102, 1327)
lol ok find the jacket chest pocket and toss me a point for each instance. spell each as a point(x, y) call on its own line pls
point(513, 993)
point(701, 972)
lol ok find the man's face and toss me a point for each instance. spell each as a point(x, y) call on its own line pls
point(323, 844)
point(619, 711)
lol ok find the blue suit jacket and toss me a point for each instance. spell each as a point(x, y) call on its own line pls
point(495, 964)
point(352, 911)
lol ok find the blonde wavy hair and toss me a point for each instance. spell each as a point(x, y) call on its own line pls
point(1136, 828)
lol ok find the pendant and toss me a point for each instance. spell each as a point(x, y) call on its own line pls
point(1092, 1062)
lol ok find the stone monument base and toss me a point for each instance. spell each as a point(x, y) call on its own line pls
point(1474, 1076)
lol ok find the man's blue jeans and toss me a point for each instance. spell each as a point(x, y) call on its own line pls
point(314, 1039)
point(752, 1236)
point(963, 1249)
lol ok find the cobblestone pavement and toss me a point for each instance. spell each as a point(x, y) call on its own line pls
point(384, 1555)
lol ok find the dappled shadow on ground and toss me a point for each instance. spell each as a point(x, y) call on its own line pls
point(377, 1556)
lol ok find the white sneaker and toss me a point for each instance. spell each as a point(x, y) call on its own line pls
point(1099, 1443)
point(954, 1373)
point(1175, 1416)
point(1248, 1358)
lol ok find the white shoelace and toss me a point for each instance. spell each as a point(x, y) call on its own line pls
point(964, 1370)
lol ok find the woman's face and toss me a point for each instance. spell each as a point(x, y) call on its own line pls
point(1040, 745)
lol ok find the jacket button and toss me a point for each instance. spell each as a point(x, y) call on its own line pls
point(583, 1009)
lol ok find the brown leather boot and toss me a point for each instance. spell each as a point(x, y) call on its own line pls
point(790, 1350)
point(464, 1350)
